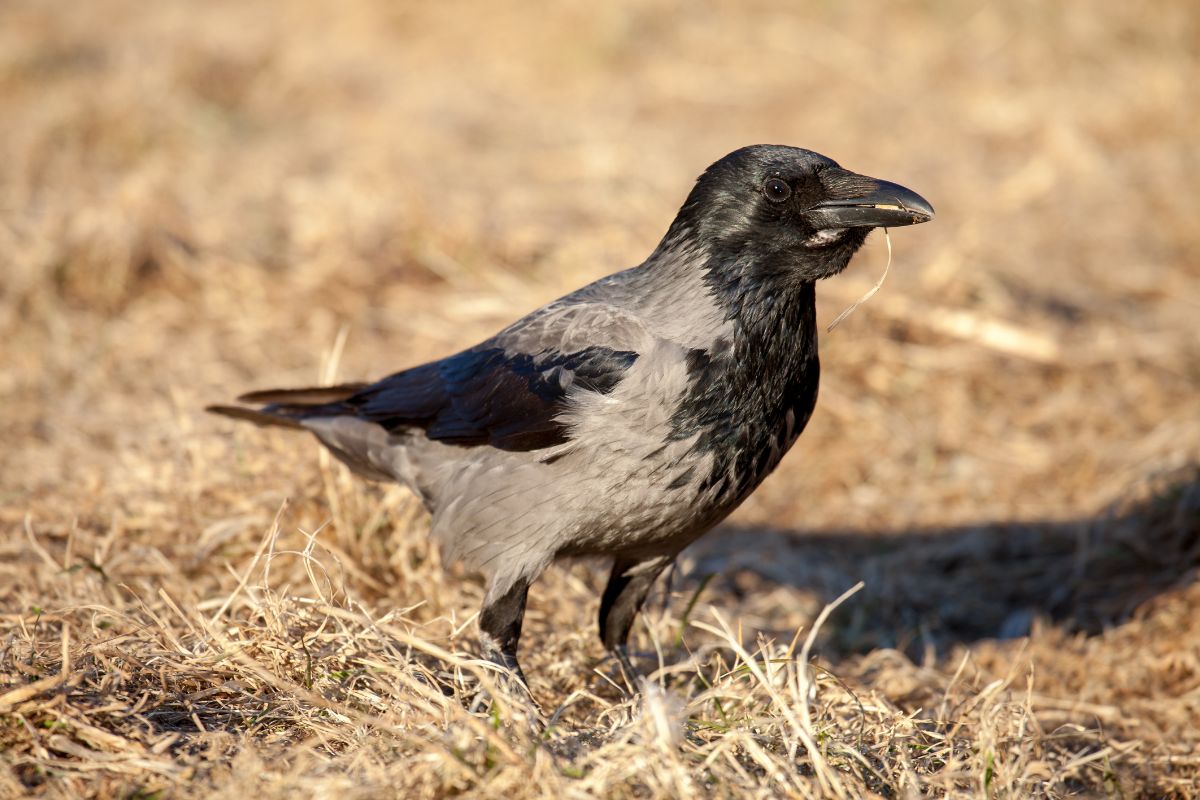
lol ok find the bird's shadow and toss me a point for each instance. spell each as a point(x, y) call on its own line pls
point(939, 587)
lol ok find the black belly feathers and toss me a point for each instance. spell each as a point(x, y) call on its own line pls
point(751, 395)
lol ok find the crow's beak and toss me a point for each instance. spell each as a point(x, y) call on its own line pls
point(872, 204)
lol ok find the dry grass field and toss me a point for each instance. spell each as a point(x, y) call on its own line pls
point(198, 199)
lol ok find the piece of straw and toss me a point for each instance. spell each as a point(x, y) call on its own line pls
point(870, 292)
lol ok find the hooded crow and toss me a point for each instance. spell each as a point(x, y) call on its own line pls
point(629, 417)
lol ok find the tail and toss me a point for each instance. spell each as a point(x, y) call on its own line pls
point(288, 408)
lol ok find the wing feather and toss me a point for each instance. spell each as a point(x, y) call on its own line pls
point(486, 395)
point(508, 392)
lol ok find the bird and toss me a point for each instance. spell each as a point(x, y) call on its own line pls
point(629, 417)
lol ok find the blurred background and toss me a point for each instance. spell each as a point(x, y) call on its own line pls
point(198, 199)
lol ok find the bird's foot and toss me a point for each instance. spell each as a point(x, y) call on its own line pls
point(508, 697)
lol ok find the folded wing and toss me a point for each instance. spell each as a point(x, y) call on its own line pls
point(488, 396)
point(508, 392)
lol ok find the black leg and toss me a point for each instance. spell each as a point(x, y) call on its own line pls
point(627, 667)
point(500, 626)
point(499, 632)
point(627, 588)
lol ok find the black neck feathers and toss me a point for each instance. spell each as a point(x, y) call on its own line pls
point(753, 392)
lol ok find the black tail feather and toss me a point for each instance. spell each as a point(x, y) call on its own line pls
point(263, 418)
point(313, 396)
point(287, 408)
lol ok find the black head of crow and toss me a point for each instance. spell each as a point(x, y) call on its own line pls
point(789, 215)
point(630, 416)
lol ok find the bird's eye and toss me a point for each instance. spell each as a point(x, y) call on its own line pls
point(776, 190)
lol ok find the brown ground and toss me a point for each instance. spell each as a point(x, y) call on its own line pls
point(198, 199)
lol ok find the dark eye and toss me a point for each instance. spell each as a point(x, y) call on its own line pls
point(776, 190)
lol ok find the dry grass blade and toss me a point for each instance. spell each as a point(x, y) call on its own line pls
point(267, 541)
point(887, 236)
point(801, 727)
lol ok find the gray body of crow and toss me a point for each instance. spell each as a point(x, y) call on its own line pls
point(623, 485)
point(631, 416)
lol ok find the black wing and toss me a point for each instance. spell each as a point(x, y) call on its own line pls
point(486, 396)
